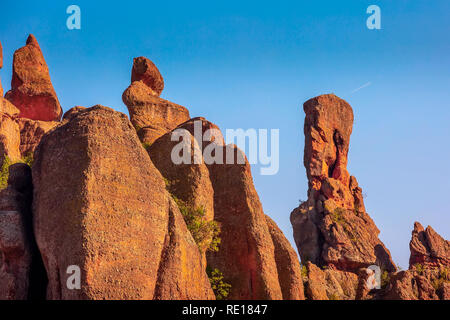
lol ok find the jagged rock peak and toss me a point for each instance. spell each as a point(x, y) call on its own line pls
point(32, 91)
point(428, 247)
point(31, 40)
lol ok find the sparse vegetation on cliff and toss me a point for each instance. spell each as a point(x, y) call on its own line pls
point(385, 279)
point(419, 268)
point(444, 276)
point(7, 162)
point(205, 233)
point(221, 289)
point(28, 159)
point(5, 172)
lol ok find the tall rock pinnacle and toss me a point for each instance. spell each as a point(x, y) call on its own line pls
point(332, 227)
point(31, 88)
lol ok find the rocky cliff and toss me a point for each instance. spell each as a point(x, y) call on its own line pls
point(101, 205)
point(104, 197)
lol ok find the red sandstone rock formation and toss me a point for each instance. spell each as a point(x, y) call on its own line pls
point(144, 70)
point(288, 266)
point(8, 108)
point(247, 253)
point(151, 115)
point(329, 284)
point(406, 285)
point(332, 227)
point(31, 88)
point(254, 256)
point(428, 248)
point(116, 221)
point(189, 183)
point(428, 277)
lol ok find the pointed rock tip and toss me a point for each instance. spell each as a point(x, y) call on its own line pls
point(31, 40)
point(418, 227)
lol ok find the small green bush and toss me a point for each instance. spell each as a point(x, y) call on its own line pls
point(338, 216)
point(4, 174)
point(444, 277)
point(146, 145)
point(220, 288)
point(419, 268)
point(445, 274)
point(333, 296)
point(385, 279)
point(7, 162)
point(205, 233)
point(304, 272)
point(28, 159)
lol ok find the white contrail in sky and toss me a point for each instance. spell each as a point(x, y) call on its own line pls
point(363, 86)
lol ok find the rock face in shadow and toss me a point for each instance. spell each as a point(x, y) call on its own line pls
point(31, 88)
point(116, 220)
point(332, 228)
point(21, 270)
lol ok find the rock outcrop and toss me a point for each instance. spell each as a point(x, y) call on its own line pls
point(31, 88)
point(405, 285)
point(189, 183)
point(151, 115)
point(246, 254)
point(428, 248)
point(31, 133)
point(145, 70)
point(254, 256)
point(332, 228)
point(428, 276)
point(8, 108)
point(329, 284)
point(116, 221)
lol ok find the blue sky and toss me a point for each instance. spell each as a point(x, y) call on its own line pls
point(252, 64)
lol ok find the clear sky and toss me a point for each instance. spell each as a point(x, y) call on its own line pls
point(252, 64)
